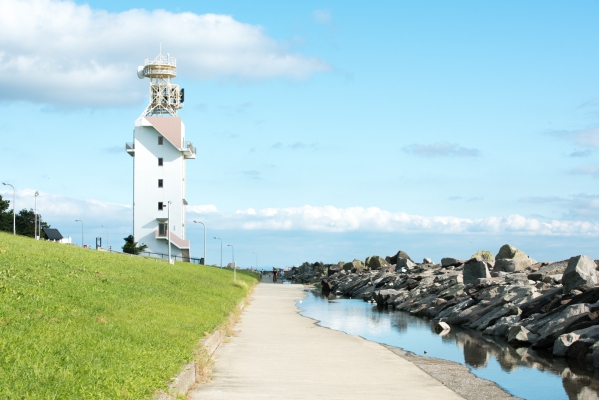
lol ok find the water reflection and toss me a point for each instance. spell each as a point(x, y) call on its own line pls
point(523, 372)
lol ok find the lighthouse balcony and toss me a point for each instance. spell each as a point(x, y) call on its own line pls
point(176, 240)
point(189, 151)
point(130, 147)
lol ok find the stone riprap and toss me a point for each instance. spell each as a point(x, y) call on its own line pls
point(525, 304)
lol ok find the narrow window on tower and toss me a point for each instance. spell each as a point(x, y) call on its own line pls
point(160, 206)
point(160, 138)
point(160, 162)
point(159, 183)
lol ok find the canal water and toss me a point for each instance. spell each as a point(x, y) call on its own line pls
point(522, 372)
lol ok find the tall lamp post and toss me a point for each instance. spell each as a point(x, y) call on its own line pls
point(168, 229)
point(104, 226)
point(221, 251)
point(14, 219)
point(39, 226)
point(256, 260)
point(198, 222)
point(36, 219)
point(78, 220)
point(233, 253)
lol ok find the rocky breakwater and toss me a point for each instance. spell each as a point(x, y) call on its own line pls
point(543, 305)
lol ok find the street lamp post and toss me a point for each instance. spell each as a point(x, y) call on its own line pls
point(39, 226)
point(78, 220)
point(104, 226)
point(14, 219)
point(234, 269)
point(168, 228)
point(221, 251)
point(256, 260)
point(35, 220)
point(198, 222)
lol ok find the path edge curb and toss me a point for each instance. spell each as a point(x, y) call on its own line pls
point(187, 378)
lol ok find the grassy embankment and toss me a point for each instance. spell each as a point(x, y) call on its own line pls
point(78, 323)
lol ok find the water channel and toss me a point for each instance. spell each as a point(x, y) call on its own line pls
point(522, 372)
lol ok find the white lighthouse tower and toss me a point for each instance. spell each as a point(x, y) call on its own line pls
point(159, 152)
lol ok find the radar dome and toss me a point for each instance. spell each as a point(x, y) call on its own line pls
point(140, 72)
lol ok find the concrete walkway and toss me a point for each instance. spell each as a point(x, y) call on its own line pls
point(278, 354)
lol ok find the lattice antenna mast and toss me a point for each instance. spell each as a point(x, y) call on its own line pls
point(165, 97)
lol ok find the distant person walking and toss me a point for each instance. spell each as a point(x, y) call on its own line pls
point(274, 274)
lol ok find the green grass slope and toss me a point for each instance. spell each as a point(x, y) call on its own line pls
point(78, 323)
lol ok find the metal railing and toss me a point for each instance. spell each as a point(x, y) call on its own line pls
point(161, 60)
point(159, 255)
point(191, 148)
point(174, 257)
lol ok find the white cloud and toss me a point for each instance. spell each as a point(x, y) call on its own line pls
point(54, 207)
point(333, 219)
point(441, 149)
point(61, 53)
point(61, 211)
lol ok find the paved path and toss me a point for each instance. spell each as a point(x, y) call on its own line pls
point(278, 354)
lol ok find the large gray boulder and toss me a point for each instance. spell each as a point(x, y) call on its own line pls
point(509, 251)
point(554, 268)
point(581, 270)
point(513, 264)
point(520, 336)
point(400, 254)
point(451, 262)
point(440, 327)
point(484, 255)
point(404, 263)
point(333, 269)
point(563, 342)
point(376, 262)
point(475, 269)
point(552, 325)
point(580, 348)
point(503, 325)
point(355, 265)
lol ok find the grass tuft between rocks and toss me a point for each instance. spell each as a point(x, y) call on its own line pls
point(77, 323)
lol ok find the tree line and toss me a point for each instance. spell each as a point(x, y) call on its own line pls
point(24, 220)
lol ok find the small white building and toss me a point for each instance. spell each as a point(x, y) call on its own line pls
point(159, 152)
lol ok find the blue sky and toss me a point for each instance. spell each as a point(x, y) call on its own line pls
point(325, 130)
